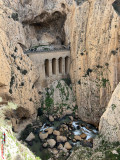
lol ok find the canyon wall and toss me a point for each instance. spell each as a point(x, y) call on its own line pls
point(17, 72)
point(89, 27)
point(110, 121)
point(95, 65)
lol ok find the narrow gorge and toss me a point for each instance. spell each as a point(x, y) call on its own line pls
point(59, 79)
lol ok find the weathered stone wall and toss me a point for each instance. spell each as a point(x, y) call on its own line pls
point(51, 66)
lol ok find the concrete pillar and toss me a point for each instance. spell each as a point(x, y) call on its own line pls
point(63, 66)
point(67, 65)
point(50, 67)
point(42, 70)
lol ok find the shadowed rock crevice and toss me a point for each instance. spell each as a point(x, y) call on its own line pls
point(46, 29)
point(116, 6)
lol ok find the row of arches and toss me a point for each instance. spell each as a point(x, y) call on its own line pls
point(57, 66)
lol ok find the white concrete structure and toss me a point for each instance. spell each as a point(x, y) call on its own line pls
point(52, 65)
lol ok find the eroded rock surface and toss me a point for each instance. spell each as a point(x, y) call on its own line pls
point(94, 56)
point(110, 120)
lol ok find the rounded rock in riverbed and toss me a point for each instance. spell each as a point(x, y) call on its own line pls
point(74, 140)
point(71, 118)
point(56, 133)
point(45, 145)
point(43, 135)
point(78, 138)
point(51, 118)
point(30, 137)
point(61, 139)
point(49, 130)
point(54, 151)
point(83, 135)
point(60, 146)
point(51, 142)
point(67, 146)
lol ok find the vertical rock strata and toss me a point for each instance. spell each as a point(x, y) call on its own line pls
point(95, 57)
point(16, 70)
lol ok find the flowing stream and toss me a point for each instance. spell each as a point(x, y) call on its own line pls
point(73, 128)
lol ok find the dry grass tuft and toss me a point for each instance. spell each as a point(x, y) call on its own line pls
point(9, 113)
point(22, 113)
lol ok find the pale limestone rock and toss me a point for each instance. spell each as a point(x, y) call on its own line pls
point(83, 135)
point(14, 124)
point(68, 146)
point(51, 142)
point(61, 139)
point(95, 39)
point(110, 120)
point(71, 118)
point(49, 130)
point(43, 135)
point(30, 137)
point(60, 147)
point(55, 151)
point(114, 152)
point(57, 133)
point(51, 118)
point(45, 145)
point(77, 138)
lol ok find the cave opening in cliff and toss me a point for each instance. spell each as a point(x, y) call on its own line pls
point(46, 30)
point(116, 6)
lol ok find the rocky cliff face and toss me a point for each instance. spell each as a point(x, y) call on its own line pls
point(95, 41)
point(110, 120)
point(89, 27)
point(17, 72)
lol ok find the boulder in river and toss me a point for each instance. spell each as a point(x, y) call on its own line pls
point(56, 133)
point(60, 146)
point(67, 146)
point(45, 145)
point(51, 118)
point(71, 118)
point(51, 142)
point(61, 139)
point(55, 151)
point(49, 130)
point(83, 135)
point(43, 135)
point(78, 138)
point(30, 137)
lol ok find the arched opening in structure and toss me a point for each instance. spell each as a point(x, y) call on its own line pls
point(53, 66)
point(66, 65)
point(60, 65)
point(47, 67)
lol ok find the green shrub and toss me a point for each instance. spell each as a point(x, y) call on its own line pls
point(15, 16)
